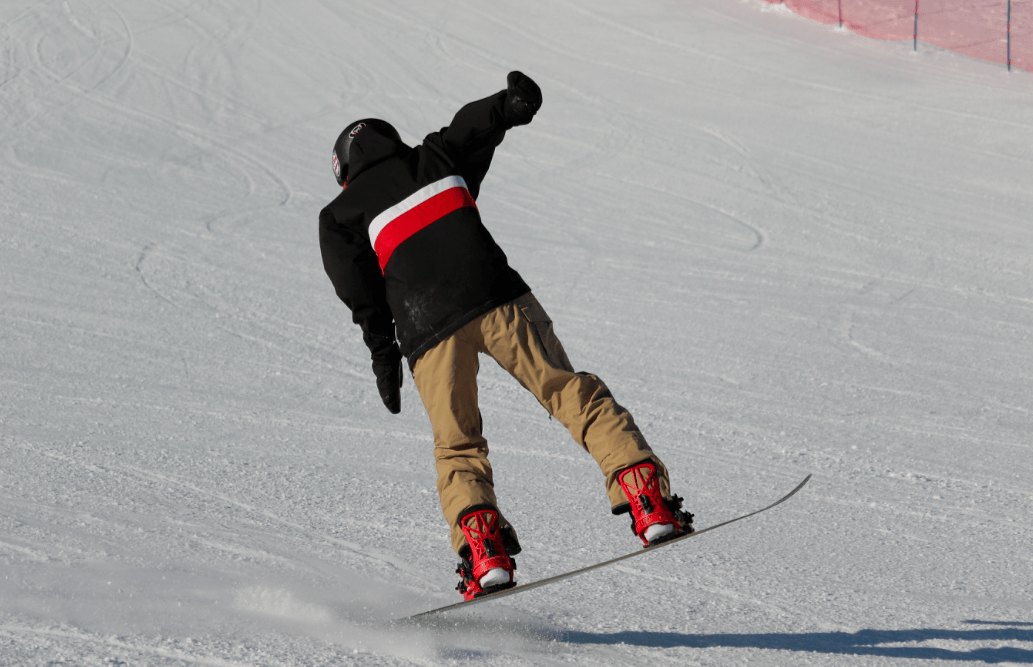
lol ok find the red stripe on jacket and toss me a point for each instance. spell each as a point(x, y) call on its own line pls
point(420, 216)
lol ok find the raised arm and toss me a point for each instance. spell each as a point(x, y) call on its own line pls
point(480, 126)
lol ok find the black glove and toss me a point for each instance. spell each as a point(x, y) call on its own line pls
point(523, 99)
point(387, 366)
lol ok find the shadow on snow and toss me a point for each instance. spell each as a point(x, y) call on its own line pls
point(865, 642)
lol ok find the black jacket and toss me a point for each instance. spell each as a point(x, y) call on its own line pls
point(431, 266)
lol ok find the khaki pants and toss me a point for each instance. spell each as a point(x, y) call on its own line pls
point(519, 336)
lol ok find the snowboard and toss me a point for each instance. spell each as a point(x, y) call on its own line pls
point(573, 573)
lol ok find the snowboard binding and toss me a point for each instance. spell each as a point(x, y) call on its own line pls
point(486, 566)
point(654, 519)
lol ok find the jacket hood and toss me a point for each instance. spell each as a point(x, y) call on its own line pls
point(363, 144)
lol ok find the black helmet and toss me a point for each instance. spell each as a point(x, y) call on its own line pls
point(344, 143)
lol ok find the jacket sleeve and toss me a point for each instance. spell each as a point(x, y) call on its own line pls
point(352, 266)
point(470, 140)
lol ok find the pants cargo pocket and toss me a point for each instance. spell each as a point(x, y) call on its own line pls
point(541, 328)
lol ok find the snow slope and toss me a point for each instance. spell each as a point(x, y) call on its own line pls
point(787, 249)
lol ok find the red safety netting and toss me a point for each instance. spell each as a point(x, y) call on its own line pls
point(977, 28)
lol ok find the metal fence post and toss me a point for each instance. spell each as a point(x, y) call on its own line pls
point(1009, 35)
point(916, 25)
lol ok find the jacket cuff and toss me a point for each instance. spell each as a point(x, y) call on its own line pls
point(380, 345)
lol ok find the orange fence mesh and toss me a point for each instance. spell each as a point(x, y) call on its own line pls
point(994, 30)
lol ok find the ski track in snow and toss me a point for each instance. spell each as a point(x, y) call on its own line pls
point(786, 249)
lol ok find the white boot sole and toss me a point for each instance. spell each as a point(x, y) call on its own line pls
point(657, 530)
point(494, 577)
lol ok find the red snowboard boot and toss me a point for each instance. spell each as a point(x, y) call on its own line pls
point(486, 566)
point(653, 518)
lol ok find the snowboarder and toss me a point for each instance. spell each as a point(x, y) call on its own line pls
point(405, 249)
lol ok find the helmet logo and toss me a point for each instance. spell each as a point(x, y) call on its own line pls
point(337, 166)
point(355, 130)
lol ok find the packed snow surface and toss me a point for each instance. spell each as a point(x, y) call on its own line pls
point(787, 249)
